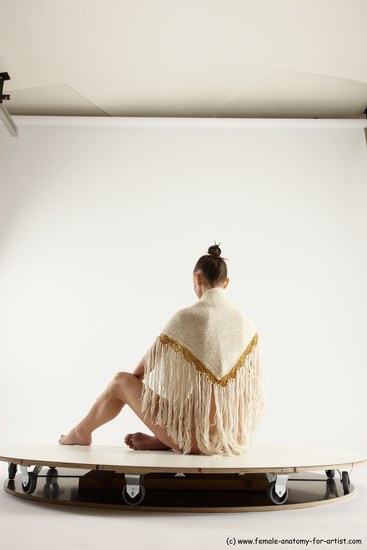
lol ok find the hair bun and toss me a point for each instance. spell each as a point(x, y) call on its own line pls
point(214, 250)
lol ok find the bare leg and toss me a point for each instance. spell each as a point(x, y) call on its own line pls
point(125, 388)
point(105, 409)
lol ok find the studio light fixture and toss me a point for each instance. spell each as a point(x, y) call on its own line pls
point(4, 113)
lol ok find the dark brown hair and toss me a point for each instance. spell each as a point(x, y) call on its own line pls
point(212, 266)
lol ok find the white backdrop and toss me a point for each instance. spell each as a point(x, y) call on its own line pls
point(102, 222)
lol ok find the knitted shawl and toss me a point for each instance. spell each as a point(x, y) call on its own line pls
point(208, 348)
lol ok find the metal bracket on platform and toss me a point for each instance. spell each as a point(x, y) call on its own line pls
point(345, 480)
point(133, 492)
point(25, 473)
point(280, 486)
point(133, 482)
point(29, 479)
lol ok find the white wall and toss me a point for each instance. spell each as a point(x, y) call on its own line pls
point(102, 224)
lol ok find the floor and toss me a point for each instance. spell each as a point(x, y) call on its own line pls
point(29, 526)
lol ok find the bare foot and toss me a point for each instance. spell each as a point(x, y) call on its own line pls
point(75, 437)
point(143, 442)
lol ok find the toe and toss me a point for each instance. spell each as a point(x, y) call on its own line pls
point(129, 440)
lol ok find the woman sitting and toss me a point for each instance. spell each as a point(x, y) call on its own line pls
point(199, 386)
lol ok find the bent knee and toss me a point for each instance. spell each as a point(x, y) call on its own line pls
point(123, 381)
point(121, 378)
point(118, 378)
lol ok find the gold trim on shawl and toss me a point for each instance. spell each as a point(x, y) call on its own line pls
point(190, 358)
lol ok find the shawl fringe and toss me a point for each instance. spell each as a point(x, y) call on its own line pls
point(200, 367)
point(177, 392)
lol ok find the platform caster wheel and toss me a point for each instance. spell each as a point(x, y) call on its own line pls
point(52, 477)
point(12, 470)
point(31, 485)
point(330, 473)
point(133, 501)
point(346, 483)
point(331, 489)
point(274, 497)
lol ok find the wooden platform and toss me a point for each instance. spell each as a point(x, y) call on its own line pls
point(122, 459)
point(119, 477)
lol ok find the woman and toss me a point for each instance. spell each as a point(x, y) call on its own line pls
point(199, 386)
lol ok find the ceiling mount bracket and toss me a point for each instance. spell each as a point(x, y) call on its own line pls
point(3, 77)
point(4, 114)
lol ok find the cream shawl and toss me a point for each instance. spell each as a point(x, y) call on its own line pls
point(208, 348)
